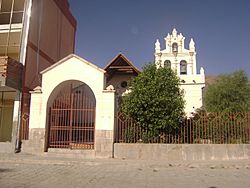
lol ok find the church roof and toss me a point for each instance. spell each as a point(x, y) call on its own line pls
point(120, 64)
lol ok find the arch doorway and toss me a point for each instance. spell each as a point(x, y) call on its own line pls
point(71, 120)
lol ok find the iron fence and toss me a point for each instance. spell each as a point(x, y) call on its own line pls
point(204, 128)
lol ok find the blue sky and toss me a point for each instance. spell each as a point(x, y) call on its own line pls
point(220, 28)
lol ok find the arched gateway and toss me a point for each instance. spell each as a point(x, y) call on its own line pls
point(72, 116)
point(72, 110)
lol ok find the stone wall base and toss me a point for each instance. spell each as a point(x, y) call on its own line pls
point(35, 144)
point(103, 145)
point(181, 152)
point(7, 147)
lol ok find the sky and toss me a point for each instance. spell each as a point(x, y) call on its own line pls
point(220, 29)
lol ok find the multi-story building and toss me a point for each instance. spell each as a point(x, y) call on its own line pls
point(34, 34)
point(183, 61)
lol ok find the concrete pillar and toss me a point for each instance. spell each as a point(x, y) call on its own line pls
point(36, 140)
point(104, 132)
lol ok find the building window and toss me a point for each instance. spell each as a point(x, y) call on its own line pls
point(175, 47)
point(183, 67)
point(11, 15)
point(124, 84)
point(167, 63)
point(6, 5)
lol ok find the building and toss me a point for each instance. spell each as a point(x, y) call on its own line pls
point(72, 112)
point(34, 34)
point(118, 73)
point(76, 110)
point(183, 61)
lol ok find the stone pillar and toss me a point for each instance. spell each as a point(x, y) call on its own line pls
point(104, 139)
point(16, 121)
point(35, 144)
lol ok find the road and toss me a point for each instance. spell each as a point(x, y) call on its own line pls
point(30, 171)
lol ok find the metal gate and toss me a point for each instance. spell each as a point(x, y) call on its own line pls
point(72, 121)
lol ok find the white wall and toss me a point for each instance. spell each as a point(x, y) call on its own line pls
point(73, 68)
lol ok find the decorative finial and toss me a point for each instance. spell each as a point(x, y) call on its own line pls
point(157, 45)
point(202, 72)
point(110, 88)
point(174, 32)
point(192, 45)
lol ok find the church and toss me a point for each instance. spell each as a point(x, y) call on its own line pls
point(183, 61)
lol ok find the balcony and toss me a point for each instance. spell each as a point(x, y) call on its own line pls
point(10, 73)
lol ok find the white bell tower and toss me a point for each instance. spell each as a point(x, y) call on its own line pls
point(183, 61)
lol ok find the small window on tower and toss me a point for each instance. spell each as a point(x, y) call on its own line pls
point(167, 63)
point(174, 47)
point(183, 67)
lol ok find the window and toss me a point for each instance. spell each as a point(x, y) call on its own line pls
point(4, 18)
point(6, 5)
point(167, 63)
point(11, 15)
point(15, 38)
point(124, 84)
point(17, 17)
point(19, 5)
point(174, 47)
point(183, 67)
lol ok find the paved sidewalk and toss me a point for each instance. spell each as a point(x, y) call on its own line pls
point(28, 171)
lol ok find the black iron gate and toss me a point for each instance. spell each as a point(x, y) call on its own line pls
point(72, 121)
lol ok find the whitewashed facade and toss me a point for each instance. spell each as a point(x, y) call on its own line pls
point(183, 61)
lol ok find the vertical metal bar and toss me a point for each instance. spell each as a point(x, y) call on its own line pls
point(60, 141)
point(69, 111)
point(89, 121)
point(241, 130)
point(84, 122)
point(54, 131)
point(74, 115)
point(48, 134)
point(232, 128)
point(67, 118)
point(229, 131)
point(89, 131)
point(71, 117)
point(94, 120)
point(56, 124)
point(248, 127)
point(235, 116)
point(64, 124)
point(245, 128)
point(51, 131)
point(57, 141)
point(239, 126)
point(219, 133)
point(81, 123)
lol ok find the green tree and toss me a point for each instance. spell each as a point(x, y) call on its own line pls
point(230, 93)
point(155, 100)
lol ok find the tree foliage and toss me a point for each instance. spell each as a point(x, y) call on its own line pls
point(230, 93)
point(155, 100)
